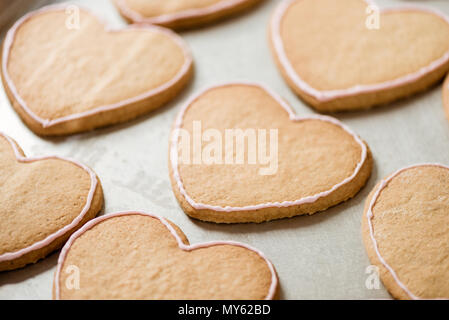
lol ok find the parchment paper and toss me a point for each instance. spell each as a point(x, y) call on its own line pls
point(317, 257)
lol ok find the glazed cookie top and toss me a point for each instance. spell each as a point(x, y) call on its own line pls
point(40, 197)
point(143, 256)
point(408, 225)
point(409, 43)
point(316, 154)
point(58, 70)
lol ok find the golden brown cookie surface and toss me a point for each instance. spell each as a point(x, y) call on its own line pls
point(135, 255)
point(405, 228)
point(180, 14)
point(67, 74)
point(336, 58)
point(44, 200)
point(269, 163)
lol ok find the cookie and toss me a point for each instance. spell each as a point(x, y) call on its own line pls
point(64, 72)
point(180, 14)
point(144, 256)
point(44, 200)
point(446, 97)
point(239, 154)
point(348, 54)
point(405, 229)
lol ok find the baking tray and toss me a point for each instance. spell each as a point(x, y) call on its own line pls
point(317, 257)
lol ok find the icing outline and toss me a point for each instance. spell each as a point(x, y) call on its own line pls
point(176, 16)
point(47, 123)
point(274, 280)
point(174, 157)
point(329, 95)
point(370, 215)
point(8, 256)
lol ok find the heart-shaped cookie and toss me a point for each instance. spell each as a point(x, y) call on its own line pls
point(136, 255)
point(181, 13)
point(406, 231)
point(239, 154)
point(43, 201)
point(65, 73)
point(348, 54)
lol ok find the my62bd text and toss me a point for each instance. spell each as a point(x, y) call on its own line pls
point(225, 310)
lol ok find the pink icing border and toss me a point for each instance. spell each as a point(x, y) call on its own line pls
point(370, 216)
point(46, 123)
point(182, 246)
point(327, 95)
point(293, 117)
point(49, 239)
point(172, 17)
